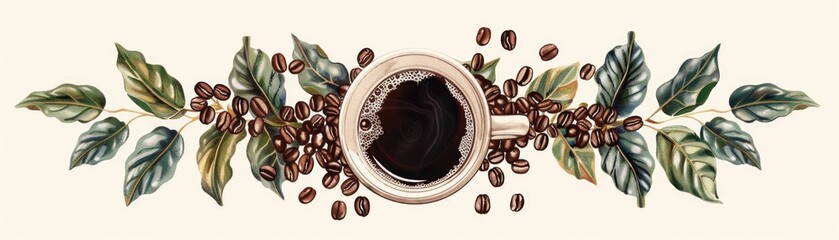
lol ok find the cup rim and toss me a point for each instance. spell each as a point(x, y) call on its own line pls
point(363, 86)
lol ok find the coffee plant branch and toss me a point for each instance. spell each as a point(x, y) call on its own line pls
point(650, 120)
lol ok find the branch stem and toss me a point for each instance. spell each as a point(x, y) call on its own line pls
point(650, 120)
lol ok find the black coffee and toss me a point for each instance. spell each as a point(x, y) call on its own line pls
point(419, 133)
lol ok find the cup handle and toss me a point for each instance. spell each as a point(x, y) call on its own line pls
point(508, 126)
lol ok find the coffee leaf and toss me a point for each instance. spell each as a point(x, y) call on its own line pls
point(766, 102)
point(729, 142)
point(320, 75)
point(630, 164)
point(691, 86)
point(488, 70)
point(101, 142)
point(261, 152)
point(557, 84)
point(688, 161)
point(152, 163)
point(215, 150)
point(253, 76)
point(149, 85)
point(623, 78)
point(67, 102)
point(576, 161)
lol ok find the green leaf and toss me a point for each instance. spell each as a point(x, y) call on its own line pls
point(253, 76)
point(766, 102)
point(558, 84)
point(149, 85)
point(320, 76)
point(214, 153)
point(630, 164)
point(488, 70)
point(101, 142)
point(152, 163)
point(691, 86)
point(576, 161)
point(623, 78)
point(67, 102)
point(688, 162)
point(261, 152)
point(729, 142)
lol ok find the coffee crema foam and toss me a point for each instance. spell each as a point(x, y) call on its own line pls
point(373, 105)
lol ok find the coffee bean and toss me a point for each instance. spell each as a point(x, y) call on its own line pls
point(278, 62)
point(349, 187)
point(493, 144)
point(240, 105)
point(322, 158)
point(301, 110)
point(287, 114)
point(587, 71)
point(221, 92)
point(332, 99)
point(552, 131)
point(279, 144)
point(223, 121)
point(307, 195)
point(305, 163)
point(484, 34)
point(204, 90)
point(554, 108)
point(207, 115)
point(534, 98)
point(506, 145)
point(237, 125)
point(520, 166)
point(582, 139)
point(610, 115)
point(330, 133)
point(540, 142)
point(541, 123)
point(290, 154)
point(531, 133)
point(512, 155)
point(521, 141)
point(583, 125)
point(548, 52)
point(532, 116)
point(259, 107)
point(564, 119)
point(522, 105)
point(348, 172)
point(508, 40)
point(484, 165)
point(331, 111)
point(580, 113)
point(509, 109)
point(482, 204)
point(291, 172)
point(497, 111)
point(342, 90)
point(354, 74)
point(596, 138)
point(483, 81)
point(492, 93)
point(256, 126)
point(611, 137)
point(501, 101)
point(339, 210)
point(288, 134)
point(495, 157)
point(316, 103)
point(595, 111)
point(516, 202)
point(572, 131)
point(477, 62)
point(309, 149)
point(633, 123)
point(198, 103)
point(332, 120)
point(524, 76)
point(544, 105)
point(336, 151)
point(267, 172)
point(302, 136)
point(496, 177)
point(333, 167)
point(296, 66)
point(330, 180)
point(362, 206)
point(365, 56)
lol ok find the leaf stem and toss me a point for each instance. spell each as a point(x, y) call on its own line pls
point(126, 110)
point(192, 119)
point(650, 120)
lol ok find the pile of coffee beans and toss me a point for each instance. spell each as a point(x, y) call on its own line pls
point(602, 132)
point(232, 120)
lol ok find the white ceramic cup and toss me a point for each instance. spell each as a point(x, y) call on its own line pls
point(485, 127)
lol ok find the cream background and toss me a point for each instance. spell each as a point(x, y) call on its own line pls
point(43, 44)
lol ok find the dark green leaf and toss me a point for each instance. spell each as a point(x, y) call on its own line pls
point(152, 163)
point(488, 70)
point(623, 78)
point(766, 102)
point(691, 86)
point(67, 102)
point(214, 153)
point(688, 162)
point(576, 161)
point(253, 76)
point(630, 164)
point(149, 85)
point(261, 152)
point(101, 142)
point(558, 84)
point(320, 76)
point(729, 142)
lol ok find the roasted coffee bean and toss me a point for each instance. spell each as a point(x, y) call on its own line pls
point(509, 109)
point(521, 141)
point(552, 131)
point(302, 136)
point(596, 138)
point(548, 52)
point(492, 93)
point(207, 115)
point(532, 116)
point(534, 98)
point(572, 131)
point(477, 62)
point(203, 90)
point(198, 103)
point(307, 195)
point(292, 171)
point(365, 56)
point(309, 149)
point(501, 101)
point(508, 40)
point(288, 134)
point(223, 121)
point(362, 206)
point(610, 137)
point(633, 123)
point(531, 133)
point(482, 204)
point(332, 99)
point(342, 90)
point(330, 133)
point(587, 71)
point(595, 111)
point(287, 114)
point(583, 125)
point(496, 177)
point(330, 180)
point(484, 165)
point(349, 187)
point(483, 81)
point(512, 155)
point(517, 202)
point(484, 34)
point(540, 142)
point(237, 125)
point(541, 123)
point(259, 107)
point(296, 66)
point(301, 110)
point(318, 141)
point(267, 172)
point(290, 154)
point(510, 88)
point(495, 157)
point(582, 139)
point(554, 108)
point(564, 119)
point(317, 122)
point(335, 151)
point(316, 103)
point(339, 210)
point(522, 105)
point(221, 92)
point(348, 172)
point(524, 76)
point(279, 143)
point(240, 105)
point(506, 145)
point(322, 157)
point(493, 144)
point(256, 126)
point(354, 74)
point(305, 163)
point(332, 120)
point(520, 166)
point(333, 167)
point(580, 113)
point(544, 105)
point(278, 62)
point(610, 115)
point(331, 111)
point(497, 111)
